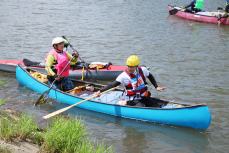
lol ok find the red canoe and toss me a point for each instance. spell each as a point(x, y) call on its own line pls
point(109, 72)
point(217, 17)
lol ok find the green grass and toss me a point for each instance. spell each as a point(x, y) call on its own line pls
point(7, 129)
point(69, 136)
point(4, 150)
point(88, 147)
point(2, 102)
point(61, 136)
point(26, 127)
point(22, 128)
point(2, 83)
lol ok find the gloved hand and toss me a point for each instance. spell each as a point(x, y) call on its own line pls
point(56, 77)
point(66, 44)
point(97, 94)
point(160, 88)
point(75, 54)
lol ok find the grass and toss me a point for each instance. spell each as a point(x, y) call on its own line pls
point(2, 102)
point(61, 136)
point(2, 83)
point(26, 127)
point(21, 128)
point(69, 136)
point(4, 150)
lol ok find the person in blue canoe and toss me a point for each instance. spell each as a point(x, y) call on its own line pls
point(133, 79)
point(58, 64)
point(195, 6)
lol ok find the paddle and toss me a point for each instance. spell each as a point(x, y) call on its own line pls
point(219, 17)
point(173, 11)
point(42, 99)
point(67, 108)
point(73, 48)
point(83, 62)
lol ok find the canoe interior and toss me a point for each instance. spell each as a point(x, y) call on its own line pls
point(84, 89)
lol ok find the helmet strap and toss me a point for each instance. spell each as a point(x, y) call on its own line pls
point(57, 50)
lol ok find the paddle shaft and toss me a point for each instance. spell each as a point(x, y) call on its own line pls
point(67, 108)
point(87, 69)
point(60, 74)
point(72, 48)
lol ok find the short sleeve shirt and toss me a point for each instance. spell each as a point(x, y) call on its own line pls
point(125, 79)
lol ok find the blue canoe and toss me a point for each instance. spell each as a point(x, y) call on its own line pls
point(195, 116)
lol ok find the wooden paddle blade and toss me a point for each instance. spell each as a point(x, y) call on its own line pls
point(173, 11)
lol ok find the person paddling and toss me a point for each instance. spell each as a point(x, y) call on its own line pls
point(227, 6)
point(58, 64)
point(195, 6)
point(134, 81)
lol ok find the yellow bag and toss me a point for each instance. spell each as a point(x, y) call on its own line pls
point(40, 77)
point(77, 90)
point(98, 65)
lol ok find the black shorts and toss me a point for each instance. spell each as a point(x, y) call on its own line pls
point(147, 102)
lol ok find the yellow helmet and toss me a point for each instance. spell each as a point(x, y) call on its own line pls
point(132, 60)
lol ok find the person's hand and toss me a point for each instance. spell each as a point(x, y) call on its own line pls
point(160, 88)
point(75, 54)
point(183, 8)
point(90, 88)
point(56, 77)
point(98, 93)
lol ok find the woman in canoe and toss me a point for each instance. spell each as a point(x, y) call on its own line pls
point(58, 64)
point(195, 6)
point(134, 81)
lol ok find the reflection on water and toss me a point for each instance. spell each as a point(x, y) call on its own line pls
point(143, 136)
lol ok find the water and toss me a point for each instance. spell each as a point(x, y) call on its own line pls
point(189, 58)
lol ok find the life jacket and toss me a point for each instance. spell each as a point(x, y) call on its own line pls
point(199, 4)
point(137, 84)
point(61, 61)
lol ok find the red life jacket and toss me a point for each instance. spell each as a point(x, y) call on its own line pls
point(137, 83)
point(62, 61)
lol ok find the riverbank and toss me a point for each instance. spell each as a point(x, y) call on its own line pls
point(19, 133)
point(18, 147)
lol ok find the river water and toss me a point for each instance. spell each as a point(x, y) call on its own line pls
point(189, 58)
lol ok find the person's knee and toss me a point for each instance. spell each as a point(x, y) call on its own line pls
point(67, 84)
